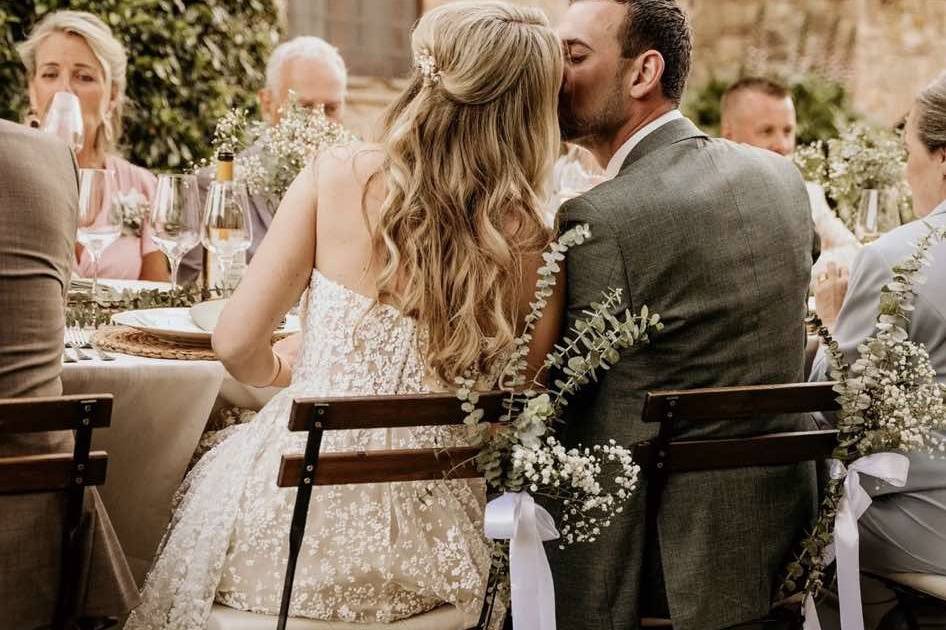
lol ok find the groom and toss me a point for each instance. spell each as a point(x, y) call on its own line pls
point(716, 237)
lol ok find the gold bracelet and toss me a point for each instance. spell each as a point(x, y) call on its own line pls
point(278, 370)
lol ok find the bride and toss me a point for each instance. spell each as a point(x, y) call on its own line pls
point(420, 255)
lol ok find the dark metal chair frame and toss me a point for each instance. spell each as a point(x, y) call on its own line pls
point(66, 472)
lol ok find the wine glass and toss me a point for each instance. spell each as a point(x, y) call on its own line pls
point(225, 227)
point(175, 218)
point(878, 212)
point(64, 119)
point(100, 217)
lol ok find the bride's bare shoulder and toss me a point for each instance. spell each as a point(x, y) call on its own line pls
point(355, 162)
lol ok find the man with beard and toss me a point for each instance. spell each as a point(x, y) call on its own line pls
point(716, 237)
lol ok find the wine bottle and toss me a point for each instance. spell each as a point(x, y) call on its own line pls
point(226, 232)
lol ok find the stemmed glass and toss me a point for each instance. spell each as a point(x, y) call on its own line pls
point(175, 218)
point(100, 216)
point(867, 228)
point(877, 213)
point(64, 119)
point(225, 228)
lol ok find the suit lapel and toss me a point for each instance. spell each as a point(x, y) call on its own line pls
point(670, 133)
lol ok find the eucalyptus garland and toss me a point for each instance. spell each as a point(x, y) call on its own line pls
point(82, 310)
point(523, 454)
point(890, 401)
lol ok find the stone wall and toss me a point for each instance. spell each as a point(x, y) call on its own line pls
point(884, 51)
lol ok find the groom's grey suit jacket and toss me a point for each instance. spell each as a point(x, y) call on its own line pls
point(716, 237)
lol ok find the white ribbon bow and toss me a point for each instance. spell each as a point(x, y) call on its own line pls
point(890, 467)
point(514, 516)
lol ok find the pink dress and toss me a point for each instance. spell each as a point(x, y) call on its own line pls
point(122, 259)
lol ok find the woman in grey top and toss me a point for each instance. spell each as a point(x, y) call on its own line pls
point(904, 530)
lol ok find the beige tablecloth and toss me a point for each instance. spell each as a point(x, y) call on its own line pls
point(160, 410)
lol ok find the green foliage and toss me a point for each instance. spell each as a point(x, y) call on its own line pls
point(821, 104)
point(702, 105)
point(822, 107)
point(188, 64)
point(82, 310)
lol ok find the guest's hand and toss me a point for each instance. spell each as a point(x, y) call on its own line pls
point(830, 289)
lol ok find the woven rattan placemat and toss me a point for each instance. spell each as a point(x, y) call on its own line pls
point(131, 341)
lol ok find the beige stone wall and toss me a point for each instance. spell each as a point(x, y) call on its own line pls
point(883, 50)
point(369, 95)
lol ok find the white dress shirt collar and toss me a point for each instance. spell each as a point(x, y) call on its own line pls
point(617, 160)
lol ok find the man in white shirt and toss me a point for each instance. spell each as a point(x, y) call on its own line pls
point(716, 237)
point(760, 112)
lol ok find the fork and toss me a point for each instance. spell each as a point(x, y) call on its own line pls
point(71, 343)
point(83, 339)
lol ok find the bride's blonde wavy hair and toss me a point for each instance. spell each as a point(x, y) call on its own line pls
point(468, 147)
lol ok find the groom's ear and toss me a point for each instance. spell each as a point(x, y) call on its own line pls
point(646, 72)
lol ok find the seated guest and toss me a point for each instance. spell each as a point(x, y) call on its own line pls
point(903, 530)
point(39, 197)
point(760, 112)
point(310, 68)
point(73, 51)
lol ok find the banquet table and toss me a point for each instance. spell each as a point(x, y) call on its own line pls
point(160, 410)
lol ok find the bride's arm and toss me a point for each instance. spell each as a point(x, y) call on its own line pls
point(272, 283)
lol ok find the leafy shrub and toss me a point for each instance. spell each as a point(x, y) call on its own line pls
point(188, 64)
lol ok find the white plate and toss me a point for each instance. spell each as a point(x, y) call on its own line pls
point(175, 324)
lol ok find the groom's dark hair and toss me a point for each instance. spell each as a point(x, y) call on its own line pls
point(663, 26)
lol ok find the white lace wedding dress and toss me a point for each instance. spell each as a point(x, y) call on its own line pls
point(372, 553)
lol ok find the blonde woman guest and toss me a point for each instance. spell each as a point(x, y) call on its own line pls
point(903, 531)
point(420, 255)
point(74, 51)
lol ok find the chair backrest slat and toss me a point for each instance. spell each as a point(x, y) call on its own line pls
point(388, 412)
point(49, 473)
point(730, 403)
point(382, 466)
point(765, 450)
point(36, 415)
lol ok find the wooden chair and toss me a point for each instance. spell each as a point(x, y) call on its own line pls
point(67, 472)
point(663, 456)
point(315, 416)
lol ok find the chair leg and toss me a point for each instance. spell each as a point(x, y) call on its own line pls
point(67, 601)
point(489, 602)
point(300, 514)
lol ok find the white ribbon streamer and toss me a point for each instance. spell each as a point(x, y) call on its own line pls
point(890, 467)
point(514, 516)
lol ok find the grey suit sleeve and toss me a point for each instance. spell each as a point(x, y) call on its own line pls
point(858, 316)
point(597, 264)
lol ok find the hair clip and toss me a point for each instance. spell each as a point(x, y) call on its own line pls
point(427, 66)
